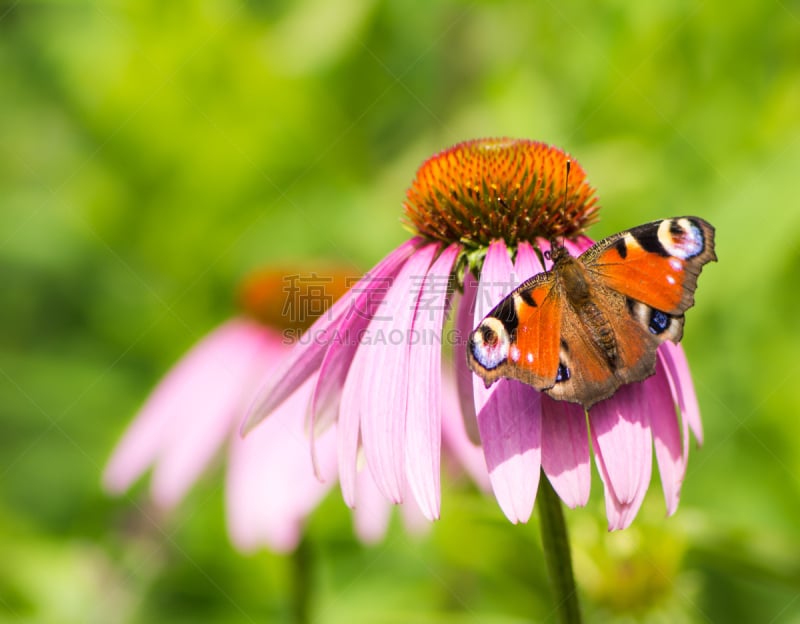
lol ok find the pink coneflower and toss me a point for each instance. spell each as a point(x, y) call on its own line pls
point(375, 360)
point(196, 409)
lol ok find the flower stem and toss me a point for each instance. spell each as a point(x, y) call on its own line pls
point(301, 582)
point(555, 543)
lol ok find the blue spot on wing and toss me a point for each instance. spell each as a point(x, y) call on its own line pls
point(659, 322)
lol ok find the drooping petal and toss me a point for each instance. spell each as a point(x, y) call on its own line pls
point(384, 387)
point(188, 448)
point(565, 450)
point(307, 355)
point(465, 314)
point(619, 514)
point(415, 522)
point(511, 428)
point(371, 511)
point(424, 413)
point(271, 487)
point(623, 451)
point(678, 368)
point(509, 413)
point(669, 366)
point(348, 431)
point(666, 436)
point(366, 297)
point(497, 280)
point(467, 455)
point(189, 414)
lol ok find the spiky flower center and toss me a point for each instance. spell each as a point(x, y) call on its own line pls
point(509, 189)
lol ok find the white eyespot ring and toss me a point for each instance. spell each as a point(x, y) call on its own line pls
point(686, 244)
point(490, 343)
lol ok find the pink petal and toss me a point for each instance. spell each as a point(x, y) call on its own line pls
point(348, 430)
point(455, 440)
point(666, 436)
point(623, 450)
point(665, 359)
point(497, 280)
point(307, 355)
point(565, 437)
point(192, 405)
point(579, 245)
point(199, 431)
point(424, 415)
point(678, 368)
point(384, 387)
point(415, 522)
point(620, 515)
point(367, 296)
point(465, 312)
point(565, 450)
point(271, 487)
point(371, 511)
point(527, 264)
point(511, 427)
point(509, 413)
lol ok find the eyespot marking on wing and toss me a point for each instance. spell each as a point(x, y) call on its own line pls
point(659, 321)
point(681, 238)
point(490, 343)
point(563, 373)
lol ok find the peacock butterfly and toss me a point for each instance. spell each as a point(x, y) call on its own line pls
point(593, 323)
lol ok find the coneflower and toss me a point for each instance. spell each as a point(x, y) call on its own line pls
point(482, 213)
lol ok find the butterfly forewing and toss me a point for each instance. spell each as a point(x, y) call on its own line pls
point(656, 263)
point(535, 360)
point(516, 340)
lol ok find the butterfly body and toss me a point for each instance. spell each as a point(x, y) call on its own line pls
point(593, 323)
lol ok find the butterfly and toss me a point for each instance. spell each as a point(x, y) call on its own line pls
point(593, 323)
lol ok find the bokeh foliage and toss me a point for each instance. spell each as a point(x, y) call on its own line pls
point(154, 152)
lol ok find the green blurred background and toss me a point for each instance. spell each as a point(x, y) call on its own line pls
point(152, 153)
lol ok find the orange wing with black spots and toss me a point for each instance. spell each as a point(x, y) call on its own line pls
point(656, 263)
point(516, 339)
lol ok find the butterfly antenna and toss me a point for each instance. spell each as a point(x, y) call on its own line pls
point(566, 188)
point(554, 243)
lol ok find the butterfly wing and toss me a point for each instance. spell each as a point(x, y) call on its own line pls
point(587, 372)
point(656, 263)
point(641, 282)
point(517, 338)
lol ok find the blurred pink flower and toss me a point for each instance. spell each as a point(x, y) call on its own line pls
point(271, 486)
point(375, 360)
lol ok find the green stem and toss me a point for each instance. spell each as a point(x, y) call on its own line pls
point(301, 582)
point(555, 543)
